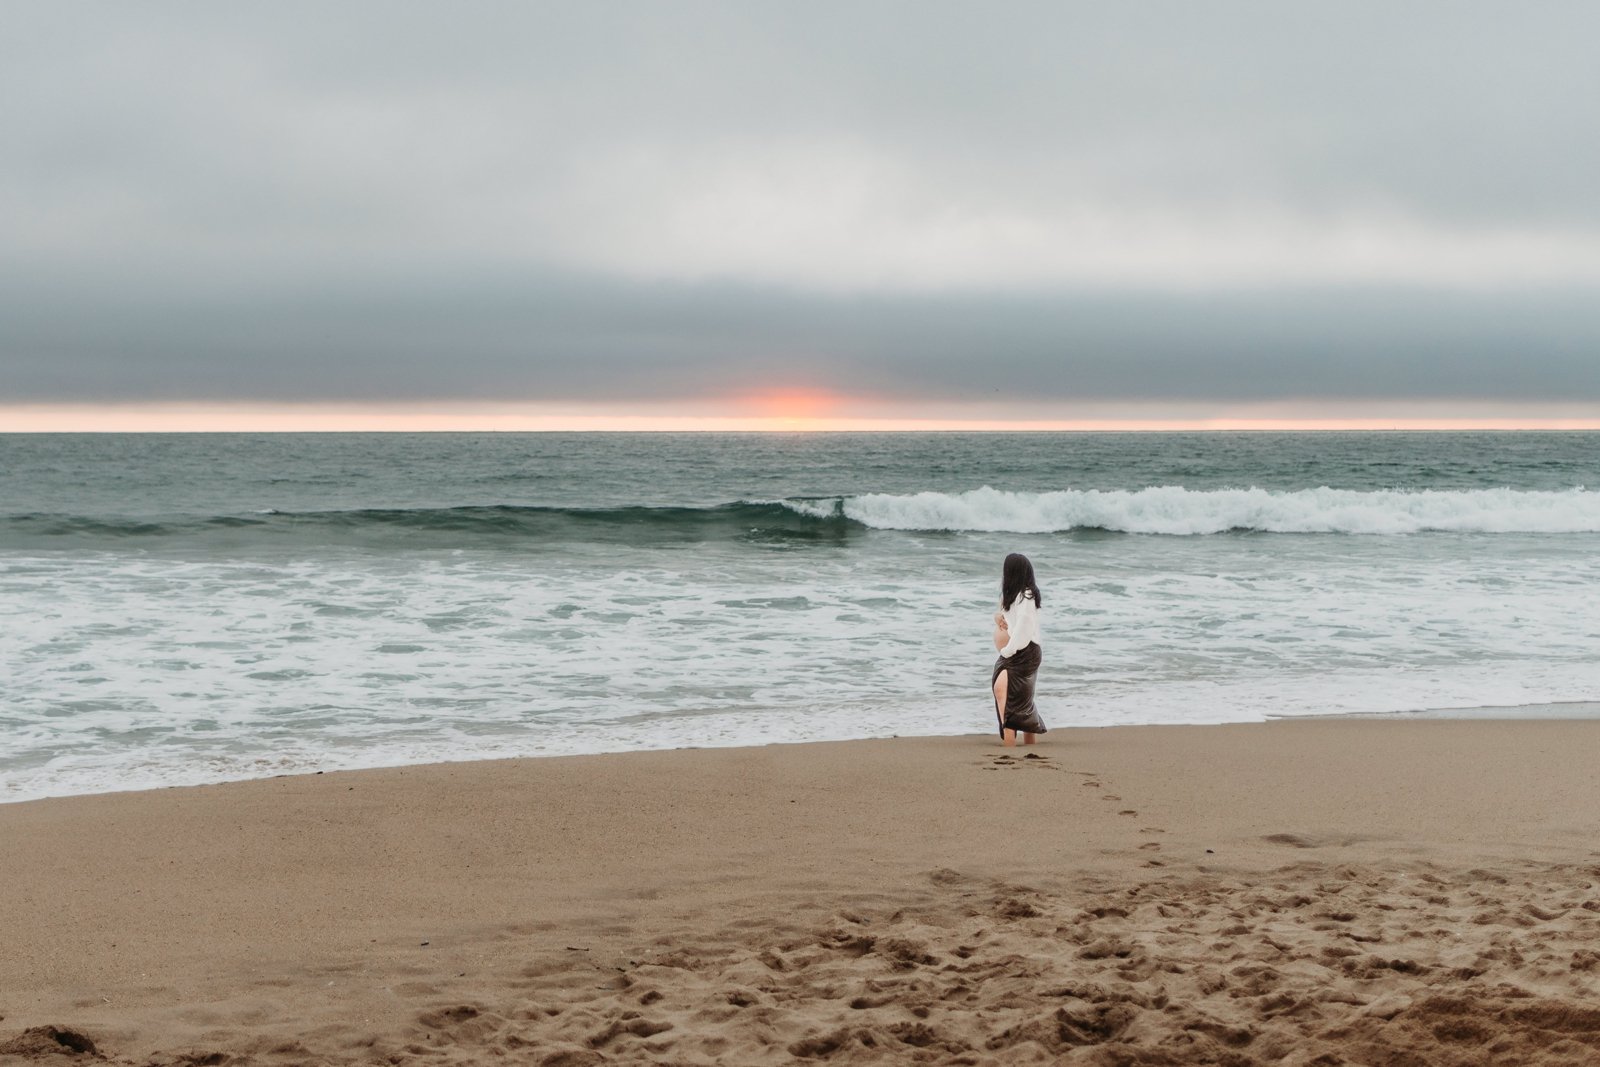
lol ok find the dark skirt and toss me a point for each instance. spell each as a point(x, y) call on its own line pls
point(1022, 667)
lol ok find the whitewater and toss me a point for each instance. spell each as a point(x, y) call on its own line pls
point(1174, 510)
point(182, 609)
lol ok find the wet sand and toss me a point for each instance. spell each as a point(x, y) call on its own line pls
point(1307, 892)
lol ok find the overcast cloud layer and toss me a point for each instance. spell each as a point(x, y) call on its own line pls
point(370, 201)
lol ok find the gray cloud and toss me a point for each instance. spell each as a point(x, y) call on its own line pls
point(562, 338)
point(379, 201)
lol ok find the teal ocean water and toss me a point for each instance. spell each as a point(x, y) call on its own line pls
point(188, 608)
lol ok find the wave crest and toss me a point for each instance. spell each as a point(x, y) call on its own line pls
point(1187, 512)
point(439, 527)
point(1169, 510)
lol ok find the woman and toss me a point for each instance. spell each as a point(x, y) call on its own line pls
point(1016, 637)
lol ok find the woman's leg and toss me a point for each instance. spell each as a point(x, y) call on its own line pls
point(1008, 738)
point(1029, 739)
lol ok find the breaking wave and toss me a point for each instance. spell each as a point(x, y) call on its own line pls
point(1169, 510)
point(1187, 512)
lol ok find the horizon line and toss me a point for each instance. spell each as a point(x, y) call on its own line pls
point(1149, 417)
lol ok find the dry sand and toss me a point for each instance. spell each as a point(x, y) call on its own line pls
point(1324, 892)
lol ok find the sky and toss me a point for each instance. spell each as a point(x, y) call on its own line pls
point(743, 214)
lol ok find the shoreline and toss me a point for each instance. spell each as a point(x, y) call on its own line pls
point(1543, 711)
point(940, 899)
point(1556, 710)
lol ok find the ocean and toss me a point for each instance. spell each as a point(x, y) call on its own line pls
point(178, 609)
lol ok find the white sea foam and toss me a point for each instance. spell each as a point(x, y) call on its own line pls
point(126, 671)
point(1180, 511)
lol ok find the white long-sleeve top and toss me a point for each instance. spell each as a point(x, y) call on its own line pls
point(1022, 623)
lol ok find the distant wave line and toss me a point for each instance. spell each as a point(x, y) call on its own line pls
point(1164, 510)
point(448, 524)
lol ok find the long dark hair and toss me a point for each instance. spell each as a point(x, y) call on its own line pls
point(1017, 576)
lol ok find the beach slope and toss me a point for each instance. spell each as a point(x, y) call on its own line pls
point(1333, 891)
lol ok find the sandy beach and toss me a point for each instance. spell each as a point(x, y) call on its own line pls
point(1327, 892)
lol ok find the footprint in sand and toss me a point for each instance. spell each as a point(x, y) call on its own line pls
point(1151, 830)
point(1031, 759)
point(1127, 811)
point(1153, 846)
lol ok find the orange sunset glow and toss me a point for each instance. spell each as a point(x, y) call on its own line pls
point(778, 411)
point(795, 405)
